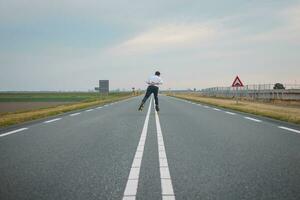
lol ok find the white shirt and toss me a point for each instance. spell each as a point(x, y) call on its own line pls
point(154, 80)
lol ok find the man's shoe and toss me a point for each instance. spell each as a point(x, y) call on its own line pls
point(141, 107)
point(157, 108)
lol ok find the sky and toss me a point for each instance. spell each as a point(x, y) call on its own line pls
point(67, 45)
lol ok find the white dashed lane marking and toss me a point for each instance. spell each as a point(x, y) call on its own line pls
point(289, 129)
point(12, 132)
point(74, 114)
point(253, 119)
point(133, 178)
point(230, 113)
point(89, 110)
point(248, 118)
point(52, 120)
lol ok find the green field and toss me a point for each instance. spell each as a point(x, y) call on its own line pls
point(80, 101)
point(54, 96)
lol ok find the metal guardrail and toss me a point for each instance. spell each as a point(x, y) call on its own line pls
point(259, 91)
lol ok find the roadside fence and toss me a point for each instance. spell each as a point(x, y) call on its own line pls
point(256, 91)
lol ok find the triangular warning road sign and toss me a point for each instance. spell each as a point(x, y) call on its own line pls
point(237, 82)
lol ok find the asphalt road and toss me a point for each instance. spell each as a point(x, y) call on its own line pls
point(188, 151)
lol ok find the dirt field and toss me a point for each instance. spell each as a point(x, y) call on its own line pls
point(13, 105)
point(28, 101)
point(24, 106)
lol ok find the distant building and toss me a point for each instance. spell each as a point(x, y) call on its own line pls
point(104, 86)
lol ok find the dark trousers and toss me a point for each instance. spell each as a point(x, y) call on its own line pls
point(151, 89)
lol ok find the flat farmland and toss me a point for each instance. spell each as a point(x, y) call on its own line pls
point(6, 107)
point(19, 102)
point(48, 96)
point(16, 108)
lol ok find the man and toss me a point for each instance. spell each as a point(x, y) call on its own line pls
point(153, 83)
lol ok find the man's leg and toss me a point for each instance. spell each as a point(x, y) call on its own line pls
point(147, 95)
point(155, 92)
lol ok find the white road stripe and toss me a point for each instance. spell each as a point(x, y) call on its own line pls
point(230, 113)
point(217, 109)
point(89, 110)
point(12, 132)
point(99, 107)
point(186, 101)
point(289, 129)
point(253, 119)
point(165, 177)
point(206, 106)
point(133, 178)
point(74, 114)
point(52, 120)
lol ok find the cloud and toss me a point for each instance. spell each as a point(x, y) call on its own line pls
point(194, 44)
point(288, 31)
point(167, 36)
point(292, 15)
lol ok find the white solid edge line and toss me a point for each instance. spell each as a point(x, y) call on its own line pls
point(289, 129)
point(133, 178)
point(253, 119)
point(52, 120)
point(165, 177)
point(74, 114)
point(12, 132)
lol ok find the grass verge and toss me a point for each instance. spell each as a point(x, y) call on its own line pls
point(283, 113)
point(9, 119)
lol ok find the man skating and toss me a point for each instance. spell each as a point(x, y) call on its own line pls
point(153, 83)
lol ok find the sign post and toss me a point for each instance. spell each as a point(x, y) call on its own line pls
point(237, 83)
point(236, 95)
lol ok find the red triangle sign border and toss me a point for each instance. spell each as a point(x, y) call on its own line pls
point(237, 82)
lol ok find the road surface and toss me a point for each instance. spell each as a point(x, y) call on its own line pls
point(188, 151)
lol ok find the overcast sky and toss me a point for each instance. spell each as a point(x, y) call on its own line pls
point(71, 44)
